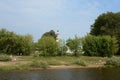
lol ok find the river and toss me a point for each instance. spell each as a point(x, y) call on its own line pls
point(63, 74)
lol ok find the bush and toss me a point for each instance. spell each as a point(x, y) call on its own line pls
point(11, 43)
point(75, 45)
point(79, 62)
point(48, 46)
point(36, 54)
point(4, 57)
point(104, 46)
point(113, 62)
point(39, 64)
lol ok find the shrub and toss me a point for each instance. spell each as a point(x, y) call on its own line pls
point(79, 62)
point(104, 46)
point(4, 57)
point(48, 46)
point(39, 64)
point(75, 45)
point(113, 62)
point(12, 43)
point(36, 54)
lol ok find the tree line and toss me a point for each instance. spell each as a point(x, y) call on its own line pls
point(103, 40)
point(11, 43)
point(107, 24)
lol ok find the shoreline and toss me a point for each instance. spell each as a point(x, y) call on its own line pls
point(64, 62)
point(68, 67)
point(9, 68)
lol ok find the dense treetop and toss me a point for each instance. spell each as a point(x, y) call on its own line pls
point(51, 33)
point(11, 43)
point(107, 24)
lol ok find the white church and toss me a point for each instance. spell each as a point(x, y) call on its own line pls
point(58, 39)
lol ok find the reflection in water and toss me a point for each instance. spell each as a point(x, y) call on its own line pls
point(63, 74)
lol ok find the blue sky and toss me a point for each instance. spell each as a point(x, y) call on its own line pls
point(70, 17)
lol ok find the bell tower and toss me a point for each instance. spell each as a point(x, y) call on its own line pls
point(58, 38)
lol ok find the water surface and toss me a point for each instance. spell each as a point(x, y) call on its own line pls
point(63, 74)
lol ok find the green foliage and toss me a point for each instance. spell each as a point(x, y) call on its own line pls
point(4, 57)
point(113, 62)
point(75, 45)
point(36, 54)
point(48, 46)
point(107, 24)
point(62, 51)
point(7, 41)
point(100, 46)
point(39, 64)
point(62, 48)
point(50, 34)
point(25, 44)
point(12, 43)
point(79, 62)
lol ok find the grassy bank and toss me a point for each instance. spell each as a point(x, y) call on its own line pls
point(30, 62)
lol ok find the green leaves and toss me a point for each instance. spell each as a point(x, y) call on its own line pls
point(48, 46)
point(107, 24)
point(100, 46)
point(11, 43)
point(74, 45)
point(50, 34)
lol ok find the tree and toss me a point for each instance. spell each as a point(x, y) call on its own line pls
point(50, 34)
point(74, 45)
point(12, 43)
point(48, 46)
point(24, 44)
point(62, 48)
point(104, 46)
point(107, 24)
point(7, 41)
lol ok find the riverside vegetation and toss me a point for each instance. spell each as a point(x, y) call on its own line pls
point(34, 63)
point(94, 50)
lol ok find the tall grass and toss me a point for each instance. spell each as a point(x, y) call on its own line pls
point(4, 57)
point(113, 62)
point(79, 62)
point(39, 64)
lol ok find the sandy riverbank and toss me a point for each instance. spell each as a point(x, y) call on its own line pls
point(64, 62)
point(69, 67)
